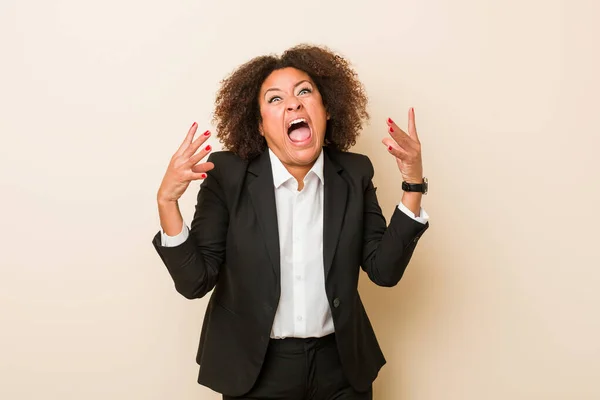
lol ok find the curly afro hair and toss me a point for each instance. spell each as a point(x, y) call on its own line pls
point(237, 113)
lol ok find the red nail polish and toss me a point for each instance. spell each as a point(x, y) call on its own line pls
point(203, 176)
point(193, 125)
point(206, 133)
point(391, 129)
point(207, 148)
point(390, 148)
point(390, 121)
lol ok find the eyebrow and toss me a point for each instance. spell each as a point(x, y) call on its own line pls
point(295, 86)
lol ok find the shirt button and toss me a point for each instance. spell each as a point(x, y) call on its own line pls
point(299, 318)
point(336, 302)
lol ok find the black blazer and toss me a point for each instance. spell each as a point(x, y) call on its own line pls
point(234, 248)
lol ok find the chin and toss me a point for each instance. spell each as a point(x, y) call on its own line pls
point(305, 152)
point(305, 157)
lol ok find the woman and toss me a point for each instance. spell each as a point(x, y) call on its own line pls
point(284, 219)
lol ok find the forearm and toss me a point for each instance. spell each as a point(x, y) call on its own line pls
point(387, 255)
point(412, 200)
point(171, 220)
point(193, 272)
point(192, 275)
point(194, 264)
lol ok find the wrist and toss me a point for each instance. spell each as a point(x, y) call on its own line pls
point(414, 180)
point(420, 186)
point(412, 201)
point(165, 202)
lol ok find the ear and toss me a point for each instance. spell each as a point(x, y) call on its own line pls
point(260, 129)
point(328, 116)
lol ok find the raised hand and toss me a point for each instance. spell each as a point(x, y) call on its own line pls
point(406, 148)
point(185, 166)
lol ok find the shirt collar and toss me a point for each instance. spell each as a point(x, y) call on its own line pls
point(282, 175)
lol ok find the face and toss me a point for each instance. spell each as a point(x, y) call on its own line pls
point(293, 117)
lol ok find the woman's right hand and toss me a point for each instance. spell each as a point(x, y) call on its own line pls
point(185, 166)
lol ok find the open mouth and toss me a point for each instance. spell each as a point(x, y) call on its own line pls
point(299, 131)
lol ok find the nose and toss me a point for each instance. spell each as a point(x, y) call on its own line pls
point(293, 104)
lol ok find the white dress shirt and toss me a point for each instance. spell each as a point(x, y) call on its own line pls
point(303, 309)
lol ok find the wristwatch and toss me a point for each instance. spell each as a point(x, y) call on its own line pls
point(416, 187)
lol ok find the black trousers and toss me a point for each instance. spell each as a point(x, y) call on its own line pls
point(302, 369)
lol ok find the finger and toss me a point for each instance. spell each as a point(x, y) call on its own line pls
point(394, 127)
point(396, 132)
point(198, 176)
point(399, 134)
point(197, 157)
point(395, 149)
point(188, 139)
point(412, 126)
point(203, 167)
point(192, 148)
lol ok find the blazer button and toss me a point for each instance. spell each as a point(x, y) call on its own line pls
point(336, 302)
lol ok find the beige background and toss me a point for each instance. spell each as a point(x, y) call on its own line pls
point(501, 300)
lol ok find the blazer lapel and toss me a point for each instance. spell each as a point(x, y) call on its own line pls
point(334, 208)
point(262, 193)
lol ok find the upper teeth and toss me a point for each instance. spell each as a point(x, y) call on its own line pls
point(296, 121)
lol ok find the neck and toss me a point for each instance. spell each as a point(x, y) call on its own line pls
point(299, 172)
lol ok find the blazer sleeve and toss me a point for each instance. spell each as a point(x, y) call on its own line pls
point(386, 250)
point(194, 265)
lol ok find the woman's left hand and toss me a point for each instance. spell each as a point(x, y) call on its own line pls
point(406, 148)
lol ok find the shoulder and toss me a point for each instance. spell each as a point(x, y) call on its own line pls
point(227, 163)
point(354, 163)
point(229, 169)
point(226, 158)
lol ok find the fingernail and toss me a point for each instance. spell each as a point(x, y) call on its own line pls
point(390, 121)
point(206, 133)
point(390, 148)
point(203, 176)
point(207, 148)
point(193, 125)
point(391, 129)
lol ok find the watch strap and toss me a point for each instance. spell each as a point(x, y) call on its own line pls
point(416, 187)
